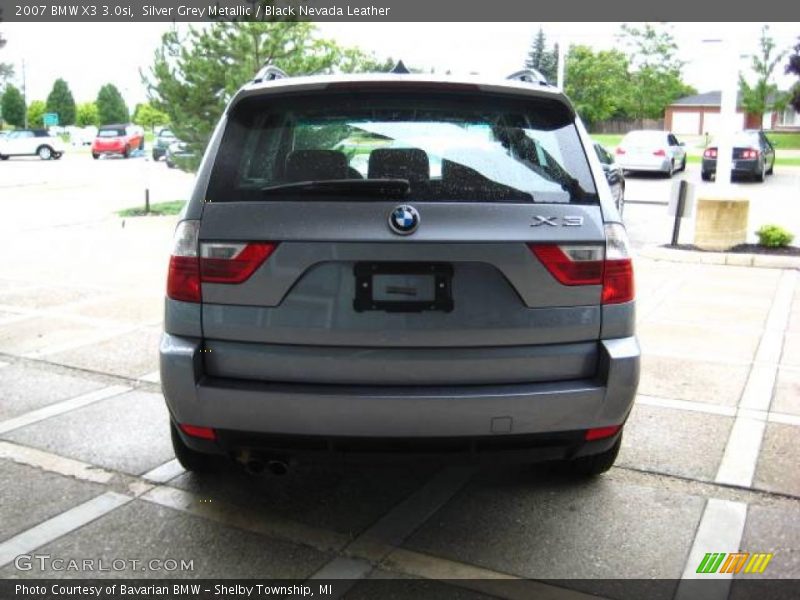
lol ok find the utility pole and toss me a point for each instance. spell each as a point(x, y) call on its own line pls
point(24, 97)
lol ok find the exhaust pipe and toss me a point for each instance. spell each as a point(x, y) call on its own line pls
point(278, 467)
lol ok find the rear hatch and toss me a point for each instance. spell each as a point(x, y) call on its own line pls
point(412, 238)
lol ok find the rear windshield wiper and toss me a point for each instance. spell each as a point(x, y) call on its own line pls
point(369, 187)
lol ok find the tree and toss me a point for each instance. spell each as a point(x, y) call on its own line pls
point(6, 69)
point(763, 95)
point(656, 80)
point(61, 101)
point(110, 106)
point(86, 114)
point(543, 60)
point(596, 83)
point(194, 76)
point(36, 110)
point(13, 107)
point(793, 67)
point(149, 116)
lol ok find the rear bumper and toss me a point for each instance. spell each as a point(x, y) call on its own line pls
point(658, 165)
point(243, 410)
point(740, 167)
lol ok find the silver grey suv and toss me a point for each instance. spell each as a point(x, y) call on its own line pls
point(398, 263)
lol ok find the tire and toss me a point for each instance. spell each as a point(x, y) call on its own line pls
point(191, 460)
point(44, 152)
point(58, 155)
point(705, 176)
point(683, 165)
point(668, 174)
point(126, 153)
point(156, 156)
point(95, 155)
point(591, 466)
point(771, 170)
point(170, 164)
point(141, 144)
point(3, 157)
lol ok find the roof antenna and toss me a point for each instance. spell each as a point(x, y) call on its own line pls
point(400, 69)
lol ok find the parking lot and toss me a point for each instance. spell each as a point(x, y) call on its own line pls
point(708, 464)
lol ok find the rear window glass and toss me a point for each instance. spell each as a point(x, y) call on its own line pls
point(111, 133)
point(645, 137)
point(452, 147)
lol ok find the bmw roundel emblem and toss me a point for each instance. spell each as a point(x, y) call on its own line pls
point(404, 219)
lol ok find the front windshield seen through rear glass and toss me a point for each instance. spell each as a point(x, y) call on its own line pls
point(447, 147)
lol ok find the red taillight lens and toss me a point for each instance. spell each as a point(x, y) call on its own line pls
point(659, 152)
point(219, 262)
point(618, 281)
point(619, 151)
point(710, 153)
point(572, 265)
point(205, 433)
point(593, 265)
point(183, 279)
point(750, 154)
point(599, 433)
point(232, 263)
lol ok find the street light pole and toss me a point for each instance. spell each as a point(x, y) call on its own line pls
point(24, 97)
point(729, 61)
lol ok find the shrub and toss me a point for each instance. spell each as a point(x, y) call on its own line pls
point(774, 236)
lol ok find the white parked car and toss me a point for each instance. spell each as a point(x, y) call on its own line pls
point(31, 142)
point(651, 150)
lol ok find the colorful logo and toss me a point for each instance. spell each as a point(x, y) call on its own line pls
point(736, 562)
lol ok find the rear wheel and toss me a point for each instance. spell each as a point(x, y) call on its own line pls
point(191, 460)
point(671, 171)
point(705, 176)
point(44, 152)
point(771, 169)
point(95, 155)
point(683, 164)
point(126, 153)
point(591, 466)
point(3, 157)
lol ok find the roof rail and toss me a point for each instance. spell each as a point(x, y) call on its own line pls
point(269, 73)
point(529, 76)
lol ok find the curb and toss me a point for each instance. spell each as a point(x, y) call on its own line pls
point(764, 261)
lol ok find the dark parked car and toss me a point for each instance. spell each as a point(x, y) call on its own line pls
point(164, 138)
point(614, 175)
point(175, 152)
point(753, 156)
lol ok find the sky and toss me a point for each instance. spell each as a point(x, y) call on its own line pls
point(88, 55)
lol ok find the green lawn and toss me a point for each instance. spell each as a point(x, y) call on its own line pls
point(609, 140)
point(785, 140)
point(159, 209)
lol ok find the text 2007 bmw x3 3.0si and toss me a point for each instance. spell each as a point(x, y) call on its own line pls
point(397, 263)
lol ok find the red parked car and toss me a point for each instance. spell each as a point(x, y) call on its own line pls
point(118, 139)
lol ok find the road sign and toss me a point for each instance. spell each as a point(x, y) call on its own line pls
point(50, 119)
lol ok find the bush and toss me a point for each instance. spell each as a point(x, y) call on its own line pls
point(774, 236)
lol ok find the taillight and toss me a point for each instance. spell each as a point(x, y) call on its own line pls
point(183, 278)
point(204, 433)
point(619, 151)
point(618, 272)
point(232, 263)
point(710, 153)
point(219, 262)
point(610, 266)
point(601, 433)
point(750, 153)
point(659, 152)
point(572, 265)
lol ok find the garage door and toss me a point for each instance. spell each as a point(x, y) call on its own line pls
point(711, 122)
point(687, 123)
